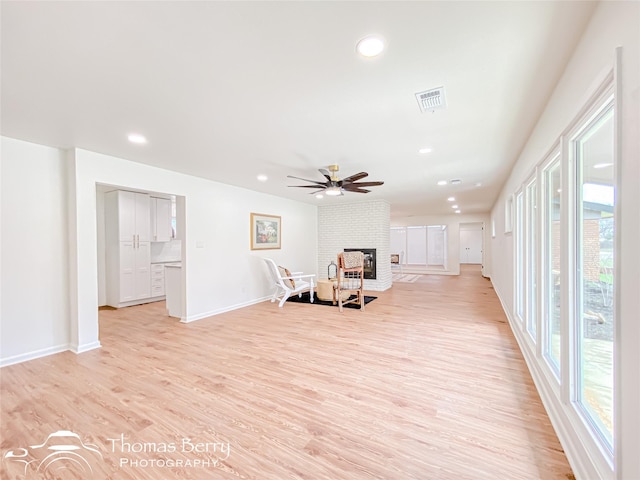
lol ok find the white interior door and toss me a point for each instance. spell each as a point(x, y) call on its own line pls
point(471, 246)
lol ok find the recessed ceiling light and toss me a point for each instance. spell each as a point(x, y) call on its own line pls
point(425, 150)
point(137, 138)
point(370, 46)
point(457, 211)
point(603, 165)
point(319, 195)
point(262, 177)
point(451, 199)
point(454, 206)
point(456, 181)
point(442, 182)
point(478, 184)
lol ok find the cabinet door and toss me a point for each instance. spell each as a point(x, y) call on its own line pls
point(143, 270)
point(163, 220)
point(127, 272)
point(143, 217)
point(126, 216)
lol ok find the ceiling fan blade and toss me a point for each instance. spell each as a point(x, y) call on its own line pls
point(366, 184)
point(305, 179)
point(325, 172)
point(354, 188)
point(318, 185)
point(354, 178)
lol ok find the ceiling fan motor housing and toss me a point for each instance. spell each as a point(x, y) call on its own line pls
point(334, 171)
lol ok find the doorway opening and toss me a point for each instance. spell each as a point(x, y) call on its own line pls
point(133, 266)
point(471, 245)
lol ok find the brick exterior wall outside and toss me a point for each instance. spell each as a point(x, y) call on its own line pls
point(591, 248)
point(356, 225)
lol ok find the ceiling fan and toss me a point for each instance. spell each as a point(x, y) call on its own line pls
point(334, 186)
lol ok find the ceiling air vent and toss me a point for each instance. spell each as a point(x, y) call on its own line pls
point(430, 100)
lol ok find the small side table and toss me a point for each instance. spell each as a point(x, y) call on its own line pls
point(325, 290)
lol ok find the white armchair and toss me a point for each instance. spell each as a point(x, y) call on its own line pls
point(287, 283)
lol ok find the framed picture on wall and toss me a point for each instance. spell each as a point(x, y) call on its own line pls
point(266, 232)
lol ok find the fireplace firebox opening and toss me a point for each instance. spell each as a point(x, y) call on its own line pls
point(369, 261)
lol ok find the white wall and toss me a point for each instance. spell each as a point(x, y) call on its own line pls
point(57, 225)
point(224, 274)
point(356, 225)
point(453, 237)
point(35, 285)
point(613, 24)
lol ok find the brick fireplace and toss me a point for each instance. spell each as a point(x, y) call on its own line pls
point(345, 226)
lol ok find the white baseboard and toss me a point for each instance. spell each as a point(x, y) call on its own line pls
point(85, 347)
point(211, 313)
point(24, 357)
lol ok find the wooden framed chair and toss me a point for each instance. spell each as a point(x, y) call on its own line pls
point(350, 278)
point(287, 283)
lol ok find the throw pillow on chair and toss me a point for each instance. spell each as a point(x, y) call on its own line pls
point(289, 282)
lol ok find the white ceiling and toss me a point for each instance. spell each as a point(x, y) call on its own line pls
point(229, 90)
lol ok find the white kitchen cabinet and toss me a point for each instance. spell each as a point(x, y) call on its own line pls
point(160, 219)
point(128, 248)
point(135, 273)
point(173, 278)
point(134, 221)
point(157, 280)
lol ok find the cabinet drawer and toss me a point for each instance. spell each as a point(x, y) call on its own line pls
point(157, 290)
point(157, 281)
point(157, 267)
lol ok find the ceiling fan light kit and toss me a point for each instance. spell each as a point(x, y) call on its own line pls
point(334, 186)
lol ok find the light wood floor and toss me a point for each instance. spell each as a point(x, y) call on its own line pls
point(427, 383)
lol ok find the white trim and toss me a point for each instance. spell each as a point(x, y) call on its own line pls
point(25, 357)
point(530, 217)
point(211, 313)
point(618, 364)
point(85, 347)
point(553, 159)
point(518, 266)
point(598, 106)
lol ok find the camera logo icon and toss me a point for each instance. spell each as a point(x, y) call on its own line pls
point(62, 450)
